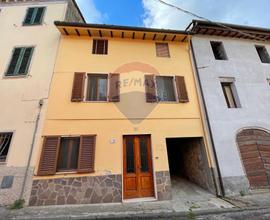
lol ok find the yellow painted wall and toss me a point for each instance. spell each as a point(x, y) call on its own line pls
point(132, 115)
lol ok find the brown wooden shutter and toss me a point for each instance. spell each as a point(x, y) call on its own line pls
point(106, 47)
point(78, 87)
point(49, 155)
point(181, 89)
point(86, 160)
point(162, 50)
point(94, 47)
point(150, 88)
point(114, 88)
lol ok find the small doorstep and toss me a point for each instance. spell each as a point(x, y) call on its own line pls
point(146, 199)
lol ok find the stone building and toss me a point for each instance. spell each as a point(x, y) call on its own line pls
point(29, 43)
point(233, 68)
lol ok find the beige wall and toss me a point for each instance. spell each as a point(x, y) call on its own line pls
point(132, 115)
point(19, 97)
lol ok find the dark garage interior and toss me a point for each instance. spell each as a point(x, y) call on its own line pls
point(188, 162)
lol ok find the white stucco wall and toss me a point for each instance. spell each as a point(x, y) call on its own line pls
point(19, 96)
point(252, 88)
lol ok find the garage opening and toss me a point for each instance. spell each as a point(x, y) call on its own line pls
point(188, 165)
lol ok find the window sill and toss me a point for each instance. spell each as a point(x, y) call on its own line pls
point(168, 102)
point(29, 25)
point(66, 172)
point(15, 76)
point(96, 101)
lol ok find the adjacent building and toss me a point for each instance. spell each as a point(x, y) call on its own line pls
point(29, 44)
point(233, 67)
point(123, 120)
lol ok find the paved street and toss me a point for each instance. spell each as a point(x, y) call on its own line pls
point(205, 206)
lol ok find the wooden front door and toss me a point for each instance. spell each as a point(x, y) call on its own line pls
point(138, 171)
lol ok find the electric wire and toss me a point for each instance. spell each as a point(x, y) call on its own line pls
point(210, 21)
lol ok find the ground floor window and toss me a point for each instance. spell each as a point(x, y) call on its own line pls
point(65, 154)
point(5, 140)
point(68, 154)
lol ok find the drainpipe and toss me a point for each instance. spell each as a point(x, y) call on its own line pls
point(31, 150)
point(208, 126)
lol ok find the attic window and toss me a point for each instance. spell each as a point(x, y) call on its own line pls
point(218, 50)
point(263, 54)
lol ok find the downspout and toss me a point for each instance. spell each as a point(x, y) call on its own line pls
point(207, 123)
point(31, 149)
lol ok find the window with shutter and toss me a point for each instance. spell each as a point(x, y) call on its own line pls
point(20, 61)
point(162, 50)
point(68, 154)
point(165, 89)
point(150, 88)
point(34, 16)
point(97, 87)
point(78, 87)
point(181, 89)
point(114, 88)
point(65, 154)
point(100, 47)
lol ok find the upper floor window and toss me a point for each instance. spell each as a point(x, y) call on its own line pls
point(100, 46)
point(230, 94)
point(34, 16)
point(218, 50)
point(263, 54)
point(20, 61)
point(162, 50)
point(165, 89)
point(97, 87)
point(5, 141)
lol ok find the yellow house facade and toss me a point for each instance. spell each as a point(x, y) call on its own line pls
point(123, 118)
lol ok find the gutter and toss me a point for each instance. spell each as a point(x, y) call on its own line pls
point(119, 27)
point(220, 182)
point(31, 150)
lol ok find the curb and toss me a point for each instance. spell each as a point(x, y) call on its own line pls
point(146, 215)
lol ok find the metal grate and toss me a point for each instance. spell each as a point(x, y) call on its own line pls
point(5, 140)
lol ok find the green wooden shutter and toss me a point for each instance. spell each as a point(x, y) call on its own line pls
point(29, 15)
point(39, 15)
point(25, 61)
point(14, 61)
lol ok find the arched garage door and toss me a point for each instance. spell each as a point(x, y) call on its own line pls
point(254, 148)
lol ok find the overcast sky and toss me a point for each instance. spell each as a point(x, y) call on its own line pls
point(151, 13)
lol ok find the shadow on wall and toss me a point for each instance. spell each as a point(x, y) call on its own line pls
point(187, 159)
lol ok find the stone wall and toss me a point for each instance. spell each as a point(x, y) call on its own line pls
point(10, 192)
point(163, 184)
point(195, 163)
point(72, 14)
point(77, 190)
